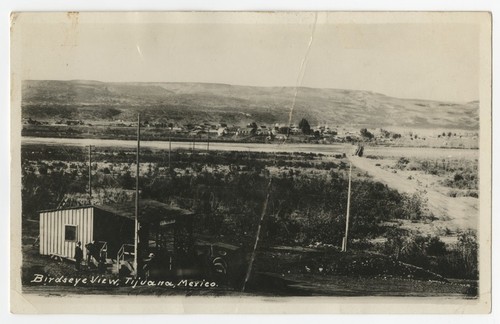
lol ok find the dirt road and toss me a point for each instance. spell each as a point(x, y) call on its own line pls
point(337, 148)
point(458, 213)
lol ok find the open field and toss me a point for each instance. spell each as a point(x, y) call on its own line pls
point(453, 211)
point(227, 185)
point(421, 152)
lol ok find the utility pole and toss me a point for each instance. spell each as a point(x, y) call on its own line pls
point(90, 171)
point(136, 230)
point(344, 241)
point(169, 151)
point(208, 143)
point(257, 236)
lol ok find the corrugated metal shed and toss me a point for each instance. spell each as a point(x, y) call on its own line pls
point(53, 230)
point(60, 229)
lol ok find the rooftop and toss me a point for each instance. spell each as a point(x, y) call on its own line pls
point(149, 210)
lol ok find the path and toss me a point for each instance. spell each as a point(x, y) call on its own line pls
point(461, 212)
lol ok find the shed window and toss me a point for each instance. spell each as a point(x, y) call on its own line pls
point(70, 233)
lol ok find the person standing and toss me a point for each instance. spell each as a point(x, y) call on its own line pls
point(102, 262)
point(90, 247)
point(148, 264)
point(78, 255)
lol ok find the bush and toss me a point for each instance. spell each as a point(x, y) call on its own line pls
point(462, 180)
point(436, 247)
point(457, 261)
point(414, 207)
point(402, 162)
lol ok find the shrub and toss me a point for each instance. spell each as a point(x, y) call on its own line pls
point(436, 247)
point(402, 162)
point(459, 260)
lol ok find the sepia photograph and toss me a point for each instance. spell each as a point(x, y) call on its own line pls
point(267, 160)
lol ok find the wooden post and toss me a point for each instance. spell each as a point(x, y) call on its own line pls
point(344, 241)
point(90, 171)
point(169, 151)
point(257, 236)
point(136, 230)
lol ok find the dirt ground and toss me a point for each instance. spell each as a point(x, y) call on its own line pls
point(280, 272)
point(455, 213)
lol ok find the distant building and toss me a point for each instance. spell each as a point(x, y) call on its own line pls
point(263, 130)
point(196, 132)
point(222, 131)
point(246, 131)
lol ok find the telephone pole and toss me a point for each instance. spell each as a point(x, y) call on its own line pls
point(136, 223)
point(90, 171)
point(344, 241)
point(169, 151)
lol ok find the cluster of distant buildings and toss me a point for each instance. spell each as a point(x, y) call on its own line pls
point(250, 129)
point(271, 131)
point(205, 128)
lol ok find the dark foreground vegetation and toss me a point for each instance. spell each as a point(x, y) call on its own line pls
point(305, 197)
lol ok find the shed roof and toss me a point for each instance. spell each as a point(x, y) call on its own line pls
point(149, 210)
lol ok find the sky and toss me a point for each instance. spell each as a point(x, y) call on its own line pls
point(429, 60)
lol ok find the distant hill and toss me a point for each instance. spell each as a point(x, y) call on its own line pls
point(184, 103)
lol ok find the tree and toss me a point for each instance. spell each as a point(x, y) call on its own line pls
point(126, 181)
point(304, 126)
point(253, 126)
point(436, 247)
point(397, 242)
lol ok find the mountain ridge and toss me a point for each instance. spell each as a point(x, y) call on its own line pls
point(188, 102)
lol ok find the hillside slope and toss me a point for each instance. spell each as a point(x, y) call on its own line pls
point(203, 102)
